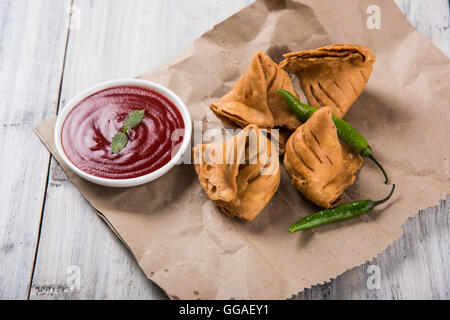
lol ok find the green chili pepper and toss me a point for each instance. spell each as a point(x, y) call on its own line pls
point(341, 213)
point(345, 130)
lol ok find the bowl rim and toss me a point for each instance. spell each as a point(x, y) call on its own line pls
point(179, 104)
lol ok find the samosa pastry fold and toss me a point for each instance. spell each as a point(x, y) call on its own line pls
point(255, 100)
point(332, 76)
point(240, 175)
point(319, 165)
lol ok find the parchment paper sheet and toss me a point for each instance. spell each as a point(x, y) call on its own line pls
point(190, 249)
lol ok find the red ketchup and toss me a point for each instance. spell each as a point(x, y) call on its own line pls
point(90, 127)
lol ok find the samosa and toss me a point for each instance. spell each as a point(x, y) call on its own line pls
point(240, 175)
point(320, 167)
point(255, 100)
point(332, 76)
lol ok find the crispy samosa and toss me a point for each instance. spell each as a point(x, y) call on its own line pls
point(240, 175)
point(332, 76)
point(319, 165)
point(255, 100)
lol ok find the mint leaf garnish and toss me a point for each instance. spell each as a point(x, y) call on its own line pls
point(119, 142)
point(133, 119)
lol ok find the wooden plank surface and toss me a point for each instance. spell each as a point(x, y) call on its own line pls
point(416, 266)
point(110, 39)
point(32, 44)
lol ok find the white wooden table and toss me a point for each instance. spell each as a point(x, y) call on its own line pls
point(52, 49)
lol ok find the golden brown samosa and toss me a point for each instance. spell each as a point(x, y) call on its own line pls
point(319, 165)
point(332, 76)
point(255, 100)
point(240, 175)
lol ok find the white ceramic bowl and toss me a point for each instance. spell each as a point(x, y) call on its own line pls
point(132, 181)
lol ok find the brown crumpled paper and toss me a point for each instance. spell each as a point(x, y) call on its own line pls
point(170, 224)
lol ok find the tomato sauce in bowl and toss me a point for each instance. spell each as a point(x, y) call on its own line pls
point(89, 128)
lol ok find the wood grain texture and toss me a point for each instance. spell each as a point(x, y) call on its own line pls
point(111, 39)
point(115, 39)
point(416, 266)
point(32, 43)
point(432, 18)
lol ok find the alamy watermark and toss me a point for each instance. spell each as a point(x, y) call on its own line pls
point(230, 146)
point(374, 279)
point(374, 17)
point(73, 283)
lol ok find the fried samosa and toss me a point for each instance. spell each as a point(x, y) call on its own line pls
point(240, 175)
point(332, 76)
point(319, 165)
point(255, 100)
